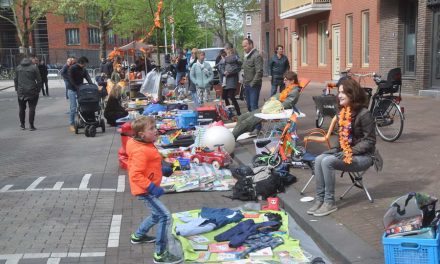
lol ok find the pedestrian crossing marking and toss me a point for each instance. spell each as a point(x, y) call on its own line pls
point(83, 186)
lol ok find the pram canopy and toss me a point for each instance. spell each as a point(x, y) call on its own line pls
point(88, 93)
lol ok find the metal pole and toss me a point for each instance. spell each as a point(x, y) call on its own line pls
point(206, 35)
point(165, 35)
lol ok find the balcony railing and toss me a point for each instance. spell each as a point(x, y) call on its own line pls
point(301, 8)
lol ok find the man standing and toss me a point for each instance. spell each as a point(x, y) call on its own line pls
point(252, 77)
point(77, 73)
point(42, 67)
point(27, 83)
point(253, 74)
point(279, 64)
point(65, 73)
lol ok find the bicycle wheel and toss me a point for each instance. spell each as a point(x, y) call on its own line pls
point(274, 160)
point(389, 120)
point(319, 119)
point(259, 160)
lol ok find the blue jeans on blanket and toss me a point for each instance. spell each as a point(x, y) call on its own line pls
point(159, 215)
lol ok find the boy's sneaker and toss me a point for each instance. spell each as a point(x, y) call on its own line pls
point(326, 209)
point(143, 239)
point(166, 257)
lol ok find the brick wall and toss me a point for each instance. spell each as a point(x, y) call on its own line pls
point(254, 28)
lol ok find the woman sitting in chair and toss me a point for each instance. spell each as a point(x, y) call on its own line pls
point(356, 146)
point(113, 109)
point(288, 97)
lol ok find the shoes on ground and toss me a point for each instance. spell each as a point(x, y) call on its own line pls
point(72, 128)
point(32, 128)
point(166, 257)
point(315, 207)
point(326, 209)
point(143, 239)
point(22, 127)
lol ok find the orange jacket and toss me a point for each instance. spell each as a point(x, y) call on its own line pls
point(144, 166)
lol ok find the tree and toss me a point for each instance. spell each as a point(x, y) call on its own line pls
point(25, 14)
point(222, 15)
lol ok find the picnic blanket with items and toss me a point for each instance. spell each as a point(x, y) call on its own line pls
point(203, 177)
point(221, 235)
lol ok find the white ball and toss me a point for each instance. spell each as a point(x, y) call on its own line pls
point(219, 135)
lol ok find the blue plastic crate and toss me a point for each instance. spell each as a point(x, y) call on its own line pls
point(186, 119)
point(411, 250)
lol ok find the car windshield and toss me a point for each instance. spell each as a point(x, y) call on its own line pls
point(211, 55)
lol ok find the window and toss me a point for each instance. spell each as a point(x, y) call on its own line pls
point(286, 40)
point(94, 36)
point(5, 3)
point(410, 37)
point(304, 44)
point(249, 35)
point(248, 20)
point(72, 36)
point(110, 37)
point(72, 18)
point(349, 40)
point(92, 14)
point(278, 36)
point(266, 11)
point(365, 38)
point(322, 41)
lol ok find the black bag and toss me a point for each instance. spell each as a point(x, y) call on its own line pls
point(254, 183)
point(284, 174)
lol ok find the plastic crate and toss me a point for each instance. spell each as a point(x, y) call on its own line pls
point(410, 250)
point(186, 119)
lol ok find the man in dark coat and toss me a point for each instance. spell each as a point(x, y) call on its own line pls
point(27, 83)
point(42, 67)
point(77, 73)
point(279, 64)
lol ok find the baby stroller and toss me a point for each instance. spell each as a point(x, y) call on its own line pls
point(90, 110)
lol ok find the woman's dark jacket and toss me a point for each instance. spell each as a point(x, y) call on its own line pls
point(364, 134)
point(114, 110)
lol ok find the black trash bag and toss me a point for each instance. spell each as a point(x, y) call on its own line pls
point(284, 174)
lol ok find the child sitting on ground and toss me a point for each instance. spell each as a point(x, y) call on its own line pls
point(145, 175)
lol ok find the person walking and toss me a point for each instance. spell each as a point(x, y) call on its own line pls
point(27, 82)
point(180, 67)
point(278, 65)
point(44, 72)
point(252, 77)
point(145, 173)
point(65, 73)
point(77, 73)
point(202, 75)
point(191, 85)
point(232, 69)
point(354, 150)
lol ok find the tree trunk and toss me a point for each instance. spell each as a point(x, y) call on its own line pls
point(103, 37)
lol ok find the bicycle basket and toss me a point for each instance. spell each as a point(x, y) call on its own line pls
point(327, 104)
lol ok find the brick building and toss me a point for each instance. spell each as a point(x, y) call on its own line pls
point(252, 23)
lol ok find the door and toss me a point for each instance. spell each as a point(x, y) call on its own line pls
point(294, 61)
point(336, 51)
point(435, 70)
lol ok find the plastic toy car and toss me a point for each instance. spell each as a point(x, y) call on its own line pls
point(218, 158)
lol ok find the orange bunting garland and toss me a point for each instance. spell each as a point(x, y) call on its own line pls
point(345, 136)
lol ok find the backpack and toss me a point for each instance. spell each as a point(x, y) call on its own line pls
point(254, 183)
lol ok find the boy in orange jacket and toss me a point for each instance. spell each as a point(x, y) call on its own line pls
point(145, 176)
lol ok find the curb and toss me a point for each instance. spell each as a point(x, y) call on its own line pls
point(4, 88)
point(335, 240)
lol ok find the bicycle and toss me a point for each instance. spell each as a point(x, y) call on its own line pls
point(385, 106)
point(284, 149)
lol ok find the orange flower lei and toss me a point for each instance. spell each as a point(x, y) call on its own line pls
point(345, 136)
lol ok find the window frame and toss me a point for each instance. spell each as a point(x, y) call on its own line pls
point(322, 43)
point(78, 36)
point(249, 35)
point(304, 51)
point(248, 20)
point(94, 34)
point(365, 41)
point(406, 26)
point(349, 40)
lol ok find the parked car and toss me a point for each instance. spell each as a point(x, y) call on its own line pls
point(219, 158)
point(210, 56)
